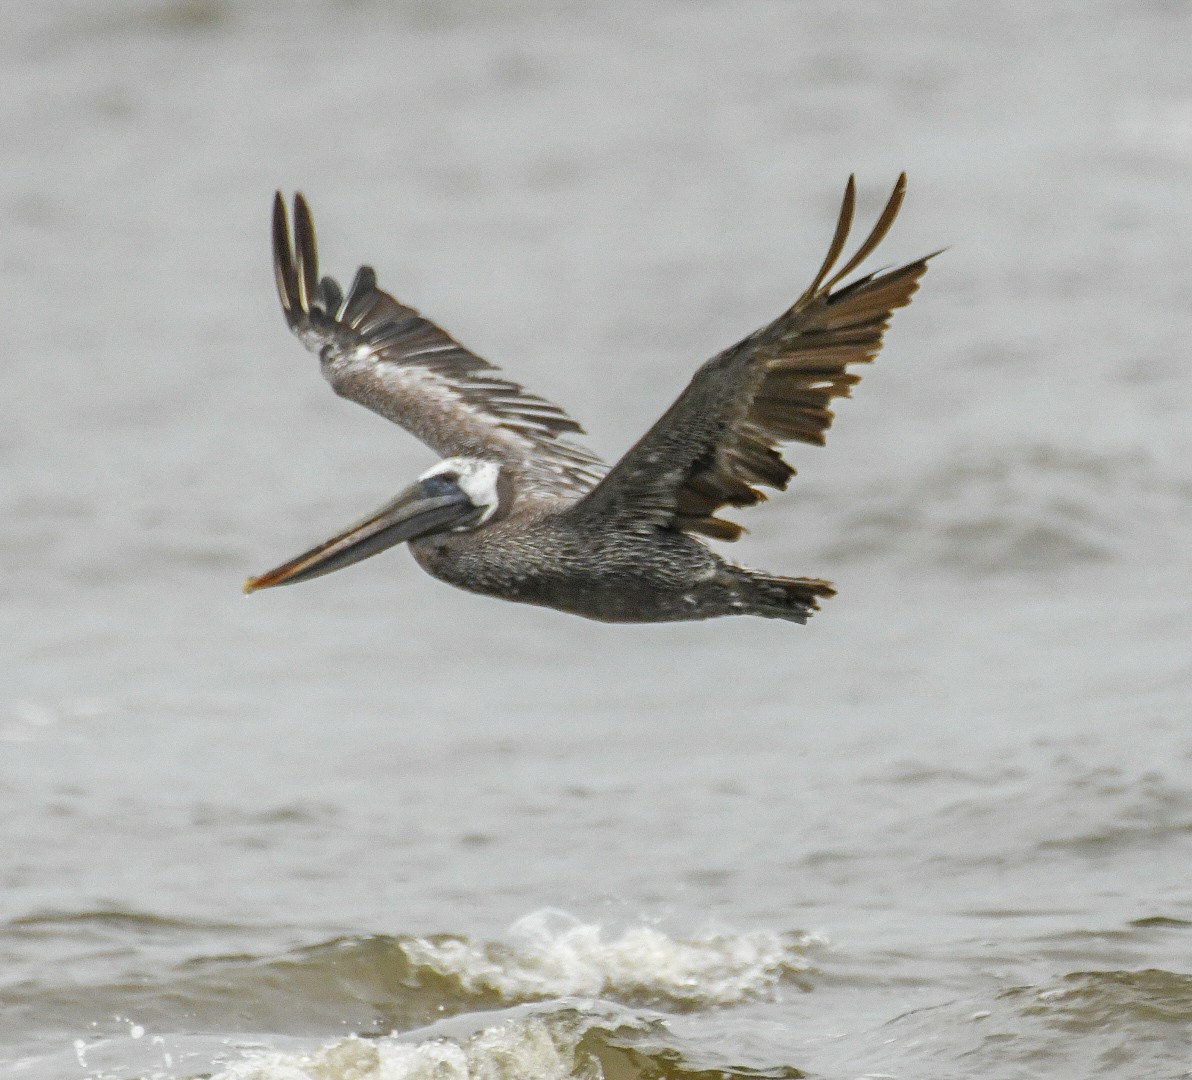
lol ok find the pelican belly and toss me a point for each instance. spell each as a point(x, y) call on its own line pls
point(661, 576)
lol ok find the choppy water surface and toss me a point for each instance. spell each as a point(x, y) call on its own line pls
point(372, 827)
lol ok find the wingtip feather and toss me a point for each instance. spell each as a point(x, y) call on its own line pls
point(844, 223)
point(877, 234)
point(306, 252)
point(283, 259)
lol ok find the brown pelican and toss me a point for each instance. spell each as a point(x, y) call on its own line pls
point(519, 510)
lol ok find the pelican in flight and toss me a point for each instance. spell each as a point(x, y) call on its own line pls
point(518, 509)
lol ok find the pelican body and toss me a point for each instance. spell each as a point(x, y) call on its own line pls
point(520, 510)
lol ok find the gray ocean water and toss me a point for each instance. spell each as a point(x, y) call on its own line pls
point(371, 828)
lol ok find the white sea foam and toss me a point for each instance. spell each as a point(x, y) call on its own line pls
point(513, 1050)
point(550, 953)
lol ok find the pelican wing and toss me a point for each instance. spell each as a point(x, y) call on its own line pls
point(718, 441)
point(387, 357)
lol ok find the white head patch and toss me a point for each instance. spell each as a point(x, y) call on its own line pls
point(475, 478)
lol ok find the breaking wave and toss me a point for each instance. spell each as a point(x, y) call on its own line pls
point(551, 954)
point(566, 1043)
point(377, 984)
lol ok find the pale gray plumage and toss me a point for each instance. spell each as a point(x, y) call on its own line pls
point(522, 512)
point(387, 357)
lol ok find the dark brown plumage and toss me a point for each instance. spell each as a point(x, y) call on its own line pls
point(718, 441)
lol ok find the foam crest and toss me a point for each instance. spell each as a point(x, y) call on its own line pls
point(552, 954)
point(597, 1041)
point(514, 1050)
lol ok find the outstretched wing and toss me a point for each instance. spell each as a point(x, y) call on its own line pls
point(718, 440)
point(387, 357)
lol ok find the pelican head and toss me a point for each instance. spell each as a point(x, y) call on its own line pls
point(456, 495)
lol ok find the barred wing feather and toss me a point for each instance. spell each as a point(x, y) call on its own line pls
point(718, 442)
point(389, 358)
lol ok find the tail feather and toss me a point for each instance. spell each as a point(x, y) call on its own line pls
point(772, 597)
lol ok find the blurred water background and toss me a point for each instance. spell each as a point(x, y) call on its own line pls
point(374, 827)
